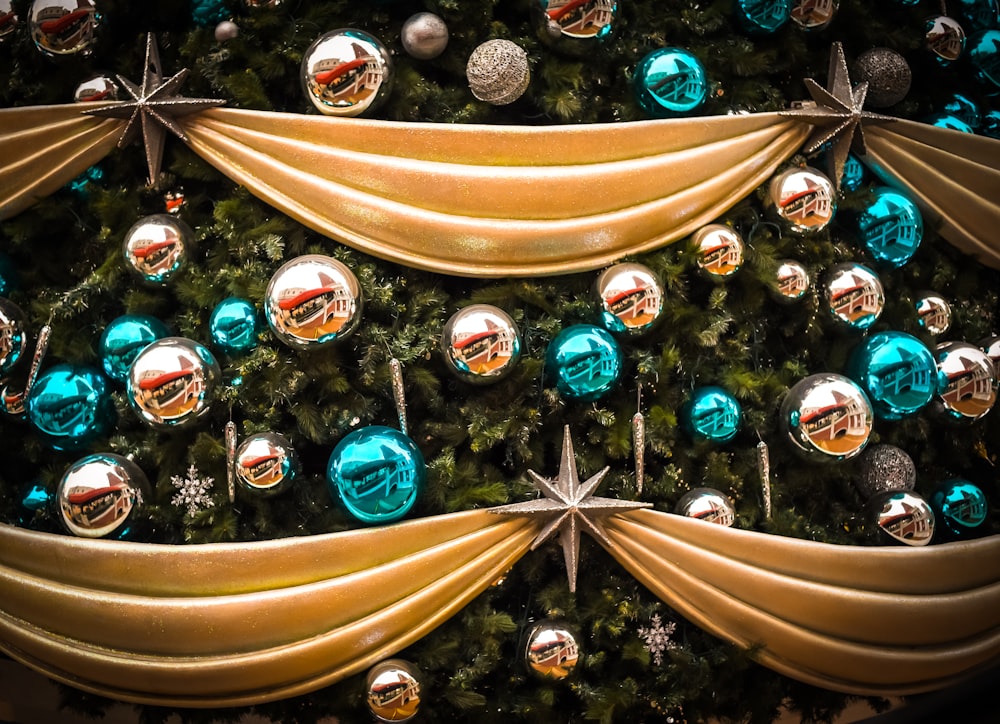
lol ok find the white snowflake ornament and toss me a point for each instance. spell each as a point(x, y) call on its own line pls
point(193, 492)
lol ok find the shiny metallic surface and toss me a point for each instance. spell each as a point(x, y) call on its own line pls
point(172, 382)
point(313, 301)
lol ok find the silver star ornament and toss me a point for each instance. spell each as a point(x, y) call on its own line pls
point(153, 108)
point(569, 507)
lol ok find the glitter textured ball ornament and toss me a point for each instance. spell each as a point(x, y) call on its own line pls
point(63, 27)
point(897, 371)
point(980, 14)
point(102, 496)
point(13, 339)
point(392, 690)
point(888, 76)
point(156, 247)
point(885, 468)
point(670, 82)
point(585, 362)
point(8, 20)
point(933, 312)
point(718, 250)
point(96, 88)
point(984, 57)
point(711, 414)
point(551, 650)
point(901, 516)
point(226, 30)
point(424, 36)
point(266, 464)
point(346, 72)
point(124, 338)
point(960, 508)
point(70, 406)
point(945, 38)
point(853, 295)
point(803, 199)
point(480, 343)
point(827, 417)
point(965, 109)
point(891, 227)
point(629, 297)
point(791, 281)
point(313, 301)
point(760, 17)
point(498, 72)
point(813, 15)
point(172, 382)
point(707, 504)
point(376, 473)
point(234, 325)
point(971, 388)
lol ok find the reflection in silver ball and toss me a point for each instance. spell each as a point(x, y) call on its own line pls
point(96, 88)
point(888, 76)
point(8, 20)
point(63, 27)
point(827, 417)
point(266, 463)
point(901, 516)
point(969, 387)
point(480, 343)
point(346, 72)
point(393, 690)
point(156, 247)
point(934, 313)
point(791, 281)
point(13, 340)
point(991, 346)
point(101, 496)
point(853, 295)
point(885, 468)
point(498, 72)
point(803, 199)
point(313, 301)
point(630, 298)
point(551, 651)
point(707, 504)
point(424, 36)
point(718, 250)
point(172, 382)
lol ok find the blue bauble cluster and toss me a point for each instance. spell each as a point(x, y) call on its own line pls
point(891, 227)
point(70, 406)
point(585, 362)
point(124, 338)
point(234, 325)
point(670, 82)
point(376, 473)
point(711, 414)
point(897, 371)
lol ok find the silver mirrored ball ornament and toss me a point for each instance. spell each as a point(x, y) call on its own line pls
point(172, 382)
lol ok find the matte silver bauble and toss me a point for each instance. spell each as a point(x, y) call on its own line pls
point(498, 72)
point(424, 36)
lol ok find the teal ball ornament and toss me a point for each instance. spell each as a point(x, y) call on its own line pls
point(960, 508)
point(124, 338)
point(983, 51)
point(711, 414)
point(70, 406)
point(172, 382)
point(13, 339)
point(897, 371)
point(948, 122)
point(103, 496)
point(853, 173)
point(266, 464)
point(991, 124)
point(376, 473)
point(670, 82)
point(234, 325)
point(585, 361)
point(826, 417)
point(965, 109)
point(762, 17)
point(979, 14)
point(900, 516)
point(853, 296)
point(891, 227)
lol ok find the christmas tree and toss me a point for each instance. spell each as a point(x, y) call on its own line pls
point(62, 264)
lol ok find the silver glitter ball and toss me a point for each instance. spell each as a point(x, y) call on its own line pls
point(63, 27)
point(933, 312)
point(102, 496)
point(853, 295)
point(424, 36)
point(498, 72)
point(901, 516)
point(13, 339)
point(888, 76)
point(945, 38)
point(226, 30)
point(266, 464)
point(346, 72)
point(8, 20)
point(157, 247)
point(802, 199)
point(313, 301)
point(827, 417)
point(969, 388)
point(718, 250)
point(172, 382)
point(630, 298)
point(791, 281)
point(813, 15)
point(885, 468)
point(392, 690)
point(551, 650)
point(480, 343)
point(707, 504)
point(96, 88)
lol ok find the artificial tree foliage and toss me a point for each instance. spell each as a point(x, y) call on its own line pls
point(480, 441)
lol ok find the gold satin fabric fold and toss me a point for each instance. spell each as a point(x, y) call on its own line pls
point(862, 620)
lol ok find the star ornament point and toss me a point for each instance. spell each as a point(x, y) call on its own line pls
point(569, 507)
point(154, 108)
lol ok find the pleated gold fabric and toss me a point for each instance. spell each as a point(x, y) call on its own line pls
point(42, 148)
point(238, 624)
point(862, 620)
point(496, 201)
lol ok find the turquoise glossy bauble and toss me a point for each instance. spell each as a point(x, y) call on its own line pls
point(585, 362)
point(711, 414)
point(70, 406)
point(897, 371)
point(234, 325)
point(670, 82)
point(891, 227)
point(124, 338)
point(960, 506)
